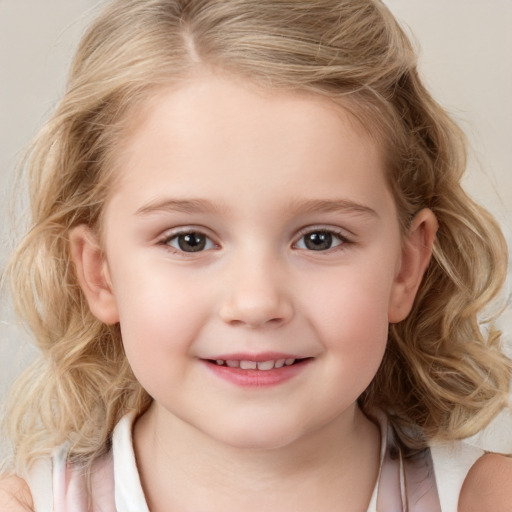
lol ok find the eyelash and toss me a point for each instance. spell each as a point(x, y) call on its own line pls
point(168, 238)
point(341, 237)
point(332, 235)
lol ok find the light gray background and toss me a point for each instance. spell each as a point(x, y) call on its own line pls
point(465, 56)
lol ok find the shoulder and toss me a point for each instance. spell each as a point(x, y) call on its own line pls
point(488, 485)
point(15, 495)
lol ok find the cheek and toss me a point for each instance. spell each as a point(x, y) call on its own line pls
point(351, 317)
point(151, 296)
point(158, 333)
point(353, 299)
point(357, 333)
point(160, 316)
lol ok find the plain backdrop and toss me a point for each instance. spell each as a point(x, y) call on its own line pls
point(465, 49)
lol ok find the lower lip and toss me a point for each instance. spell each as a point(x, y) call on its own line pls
point(257, 378)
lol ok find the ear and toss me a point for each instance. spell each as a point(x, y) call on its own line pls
point(92, 273)
point(415, 256)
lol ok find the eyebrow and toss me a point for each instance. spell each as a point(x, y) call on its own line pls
point(332, 206)
point(179, 205)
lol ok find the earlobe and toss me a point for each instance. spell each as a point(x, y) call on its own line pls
point(92, 274)
point(415, 257)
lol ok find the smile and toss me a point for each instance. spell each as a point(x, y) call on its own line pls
point(267, 371)
point(256, 365)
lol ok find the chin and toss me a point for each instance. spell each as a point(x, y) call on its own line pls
point(258, 436)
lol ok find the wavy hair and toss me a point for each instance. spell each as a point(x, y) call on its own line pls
point(442, 375)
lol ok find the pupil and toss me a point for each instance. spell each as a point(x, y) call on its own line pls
point(192, 242)
point(318, 241)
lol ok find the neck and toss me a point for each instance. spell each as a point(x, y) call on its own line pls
point(183, 467)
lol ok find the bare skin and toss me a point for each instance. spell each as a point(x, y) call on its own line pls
point(487, 485)
point(15, 495)
point(270, 481)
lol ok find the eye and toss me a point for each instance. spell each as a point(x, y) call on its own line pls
point(191, 241)
point(320, 240)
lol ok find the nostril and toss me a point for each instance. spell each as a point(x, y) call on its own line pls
point(255, 308)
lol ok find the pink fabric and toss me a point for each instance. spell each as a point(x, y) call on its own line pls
point(405, 484)
point(70, 486)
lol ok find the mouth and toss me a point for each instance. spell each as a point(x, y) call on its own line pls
point(263, 370)
point(247, 364)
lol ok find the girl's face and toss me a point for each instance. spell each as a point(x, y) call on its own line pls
point(253, 260)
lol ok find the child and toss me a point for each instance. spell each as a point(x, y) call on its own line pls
point(252, 272)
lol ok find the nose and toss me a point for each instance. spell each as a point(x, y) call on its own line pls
point(255, 295)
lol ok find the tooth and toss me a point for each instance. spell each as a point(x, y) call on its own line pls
point(289, 362)
point(233, 364)
point(220, 362)
point(248, 365)
point(266, 365)
point(279, 363)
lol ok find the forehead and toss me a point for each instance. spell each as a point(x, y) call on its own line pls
point(218, 136)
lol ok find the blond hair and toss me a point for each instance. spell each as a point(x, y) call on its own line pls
point(441, 376)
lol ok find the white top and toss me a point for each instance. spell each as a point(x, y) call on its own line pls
point(402, 484)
